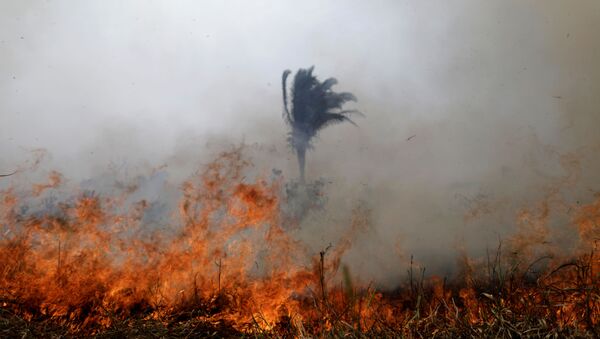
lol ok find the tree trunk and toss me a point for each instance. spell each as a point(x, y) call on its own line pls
point(301, 154)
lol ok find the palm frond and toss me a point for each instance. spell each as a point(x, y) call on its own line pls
point(337, 100)
point(352, 111)
point(328, 119)
point(286, 112)
point(327, 84)
point(313, 104)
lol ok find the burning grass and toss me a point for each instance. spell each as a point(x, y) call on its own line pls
point(225, 267)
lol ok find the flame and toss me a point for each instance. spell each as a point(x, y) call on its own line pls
point(225, 258)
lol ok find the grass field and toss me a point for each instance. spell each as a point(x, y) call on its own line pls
point(75, 270)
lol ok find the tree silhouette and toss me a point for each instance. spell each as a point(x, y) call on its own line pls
point(314, 106)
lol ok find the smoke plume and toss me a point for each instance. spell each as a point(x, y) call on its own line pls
point(474, 110)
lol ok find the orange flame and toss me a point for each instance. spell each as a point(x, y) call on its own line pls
point(225, 257)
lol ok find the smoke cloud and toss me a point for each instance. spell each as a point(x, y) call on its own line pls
point(473, 109)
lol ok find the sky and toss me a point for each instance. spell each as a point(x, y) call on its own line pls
point(467, 103)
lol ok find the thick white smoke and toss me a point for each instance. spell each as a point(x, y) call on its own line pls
point(468, 104)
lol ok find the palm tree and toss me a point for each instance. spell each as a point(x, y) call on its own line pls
point(314, 107)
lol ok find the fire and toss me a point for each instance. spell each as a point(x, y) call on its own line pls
point(226, 261)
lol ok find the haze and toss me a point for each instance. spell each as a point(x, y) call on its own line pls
point(466, 102)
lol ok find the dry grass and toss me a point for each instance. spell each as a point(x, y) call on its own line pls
point(77, 272)
point(509, 301)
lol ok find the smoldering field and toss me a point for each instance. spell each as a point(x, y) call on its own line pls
point(474, 111)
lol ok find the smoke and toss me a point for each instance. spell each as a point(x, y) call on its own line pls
point(470, 106)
